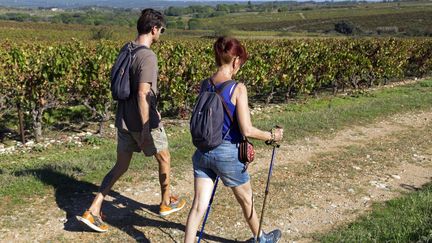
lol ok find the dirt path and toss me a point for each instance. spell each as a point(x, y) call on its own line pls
point(318, 183)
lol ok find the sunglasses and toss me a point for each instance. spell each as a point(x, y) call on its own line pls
point(162, 29)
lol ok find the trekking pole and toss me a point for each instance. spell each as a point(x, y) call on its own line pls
point(208, 209)
point(275, 145)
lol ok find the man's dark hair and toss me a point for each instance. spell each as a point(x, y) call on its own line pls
point(148, 19)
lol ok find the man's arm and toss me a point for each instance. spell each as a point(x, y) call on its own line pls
point(144, 110)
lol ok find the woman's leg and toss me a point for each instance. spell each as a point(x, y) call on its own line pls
point(244, 196)
point(203, 190)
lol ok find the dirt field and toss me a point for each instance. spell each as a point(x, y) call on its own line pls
point(317, 185)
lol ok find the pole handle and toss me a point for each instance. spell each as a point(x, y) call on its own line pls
point(273, 142)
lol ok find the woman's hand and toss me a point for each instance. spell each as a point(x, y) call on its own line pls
point(278, 134)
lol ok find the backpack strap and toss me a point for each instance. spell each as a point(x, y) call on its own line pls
point(134, 51)
point(225, 106)
point(229, 115)
point(128, 46)
point(204, 85)
point(206, 82)
point(220, 90)
point(222, 87)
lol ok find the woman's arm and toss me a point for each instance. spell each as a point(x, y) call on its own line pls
point(240, 99)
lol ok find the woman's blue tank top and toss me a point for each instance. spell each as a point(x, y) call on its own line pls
point(234, 135)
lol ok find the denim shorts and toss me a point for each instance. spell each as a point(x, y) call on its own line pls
point(223, 162)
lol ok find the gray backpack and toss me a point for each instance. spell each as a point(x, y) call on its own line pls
point(120, 83)
point(208, 116)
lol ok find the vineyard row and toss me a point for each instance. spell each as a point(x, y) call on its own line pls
point(35, 77)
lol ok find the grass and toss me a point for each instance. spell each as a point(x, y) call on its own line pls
point(29, 174)
point(406, 219)
point(327, 177)
point(50, 32)
point(327, 114)
point(374, 155)
point(369, 16)
point(409, 18)
point(65, 32)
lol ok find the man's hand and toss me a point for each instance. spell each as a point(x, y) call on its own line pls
point(144, 108)
point(146, 138)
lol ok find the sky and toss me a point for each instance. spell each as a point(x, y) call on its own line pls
point(116, 3)
point(109, 3)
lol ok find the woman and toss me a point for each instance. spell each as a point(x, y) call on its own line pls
point(223, 160)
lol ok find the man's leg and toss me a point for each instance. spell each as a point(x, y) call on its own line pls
point(92, 217)
point(121, 166)
point(164, 160)
point(169, 203)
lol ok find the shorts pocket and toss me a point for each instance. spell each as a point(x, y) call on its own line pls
point(197, 158)
point(229, 167)
point(226, 158)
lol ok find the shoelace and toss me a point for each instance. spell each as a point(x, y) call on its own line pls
point(173, 199)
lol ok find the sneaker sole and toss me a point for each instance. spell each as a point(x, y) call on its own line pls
point(89, 224)
point(171, 211)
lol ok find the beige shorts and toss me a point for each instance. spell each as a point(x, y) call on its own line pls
point(127, 141)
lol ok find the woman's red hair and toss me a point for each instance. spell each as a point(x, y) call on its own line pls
point(227, 48)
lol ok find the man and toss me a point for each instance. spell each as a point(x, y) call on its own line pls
point(138, 123)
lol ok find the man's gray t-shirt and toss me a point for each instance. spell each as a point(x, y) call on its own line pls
point(144, 69)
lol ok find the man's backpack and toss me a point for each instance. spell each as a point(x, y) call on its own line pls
point(207, 117)
point(120, 83)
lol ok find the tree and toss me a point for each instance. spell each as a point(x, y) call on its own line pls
point(249, 4)
point(193, 24)
point(344, 27)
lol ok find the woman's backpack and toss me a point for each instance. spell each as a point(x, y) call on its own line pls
point(208, 117)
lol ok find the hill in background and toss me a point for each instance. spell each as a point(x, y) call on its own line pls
point(252, 19)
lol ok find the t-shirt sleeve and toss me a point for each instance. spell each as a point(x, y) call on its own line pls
point(148, 70)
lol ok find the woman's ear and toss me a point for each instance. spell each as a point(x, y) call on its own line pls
point(236, 62)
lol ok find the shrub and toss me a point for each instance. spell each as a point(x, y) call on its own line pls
point(103, 33)
point(344, 27)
